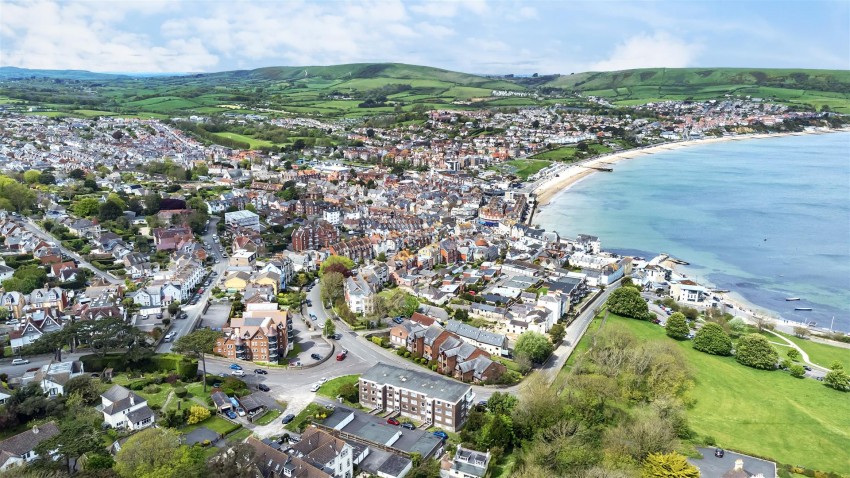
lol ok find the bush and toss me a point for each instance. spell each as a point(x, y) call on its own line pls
point(754, 350)
point(152, 389)
point(181, 392)
point(139, 384)
point(197, 414)
point(626, 301)
point(677, 326)
point(797, 371)
point(349, 392)
point(712, 339)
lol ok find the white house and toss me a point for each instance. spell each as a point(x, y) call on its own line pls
point(124, 409)
point(359, 295)
point(688, 291)
point(326, 451)
point(244, 218)
point(20, 449)
point(53, 377)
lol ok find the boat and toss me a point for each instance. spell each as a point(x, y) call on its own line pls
point(791, 299)
point(802, 308)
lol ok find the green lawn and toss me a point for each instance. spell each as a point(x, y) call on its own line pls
point(267, 417)
point(240, 435)
point(330, 388)
point(523, 168)
point(821, 354)
point(307, 415)
point(765, 413)
point(214, 423)
point(571, 153)
point(255, 143)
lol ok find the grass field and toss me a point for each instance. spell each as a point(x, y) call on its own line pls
point(216, 424)
point(255, 143)
point(821, 354)
point(571, 153)
point(523, 168)
point(330, 388)
point(760, 412)
point(305, 417)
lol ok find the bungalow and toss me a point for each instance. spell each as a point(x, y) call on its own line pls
point(124, 409)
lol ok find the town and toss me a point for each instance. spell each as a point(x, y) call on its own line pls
point(340, 308)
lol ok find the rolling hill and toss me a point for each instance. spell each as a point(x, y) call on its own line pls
point(11, 72)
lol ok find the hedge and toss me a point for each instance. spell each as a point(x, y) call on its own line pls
point(186, 368)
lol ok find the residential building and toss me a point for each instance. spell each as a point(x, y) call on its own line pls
point(490, 342)
point(468, 463)
point(314, 236)
point(20, 449)
point(273, 463)
point(242, 219)
point(688, 291)
point(325, 450)
point(124, 409)
point(259, 335)
point(52, 377)
point(36, 324)
point(243, 259)
point(359, 295)
point(421, 396)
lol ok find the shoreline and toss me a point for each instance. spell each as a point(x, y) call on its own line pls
point(570, 174)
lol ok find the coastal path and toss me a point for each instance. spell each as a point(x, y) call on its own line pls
point(803, 353)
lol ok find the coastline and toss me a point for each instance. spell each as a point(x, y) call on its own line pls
point(570, 174)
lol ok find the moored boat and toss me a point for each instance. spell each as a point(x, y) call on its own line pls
point(790, 299)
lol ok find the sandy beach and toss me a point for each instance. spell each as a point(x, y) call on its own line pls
point(572, 173)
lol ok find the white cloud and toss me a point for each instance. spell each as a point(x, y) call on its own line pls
point(528, 12)
point(436, 9)
point(645, 51)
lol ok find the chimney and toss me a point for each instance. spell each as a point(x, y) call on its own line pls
point(35, 429)
point(132, 400)
point(739, 464)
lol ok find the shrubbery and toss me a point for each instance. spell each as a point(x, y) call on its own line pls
point(185, 368)
point(627, 302)
point(677, 326)
point(712, 339)
point(753, 350)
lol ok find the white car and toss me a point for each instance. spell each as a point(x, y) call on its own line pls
point(323, 380)
point(238, 373)
point(315, 388)
point(19, 361)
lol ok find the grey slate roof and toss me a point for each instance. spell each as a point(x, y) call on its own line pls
point(431, 385)
point(138, 415)
point(394, 465)
point(474, 333)
point(25, 442)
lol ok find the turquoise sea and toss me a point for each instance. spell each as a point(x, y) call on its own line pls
point(766, 218)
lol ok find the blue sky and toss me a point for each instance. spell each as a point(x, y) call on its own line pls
point(476, 36)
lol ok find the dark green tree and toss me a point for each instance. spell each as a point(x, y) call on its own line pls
point(626, 301)
point(677, 326)
point(197, 344)
point(712, 339)
point(533, 346)
point(754, 350)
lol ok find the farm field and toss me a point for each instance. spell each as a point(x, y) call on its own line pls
point(765, 413)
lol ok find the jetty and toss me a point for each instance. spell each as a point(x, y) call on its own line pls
point(607, 169)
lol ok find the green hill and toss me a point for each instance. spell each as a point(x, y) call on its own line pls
point(796, 86)
point(11, 72)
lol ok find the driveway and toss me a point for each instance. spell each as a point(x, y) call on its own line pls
point(200, 434)
point(713, 467)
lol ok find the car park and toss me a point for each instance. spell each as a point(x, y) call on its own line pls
point(235, 366)
point(260, 371)
point(408, 426)
point(288, 418)
point(263, 387)
point(315, 356)
point(393, 421)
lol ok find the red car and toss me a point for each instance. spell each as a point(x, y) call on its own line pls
point(393, 421)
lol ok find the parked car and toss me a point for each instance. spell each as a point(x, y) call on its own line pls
point(288, 418)
point(409, 426)
point(441, 434)
point(217, 385)
point(295, 363)
point(398, 320)
point(20, 361)
point(238, 373)
point(807, 368)
point(309, 303)
point(315, 387)
point(240, 411)
point(393, 421)
point(222, 374)
point(718, 452)
point(336, 336)
point(315, 356)
point(341, 356)
point(261, 371)
point(230, 414)
point(263, 387)
point(235, 366)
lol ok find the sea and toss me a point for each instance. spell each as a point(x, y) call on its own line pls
point(767, 219)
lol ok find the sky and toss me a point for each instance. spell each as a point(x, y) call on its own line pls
point(473, 36)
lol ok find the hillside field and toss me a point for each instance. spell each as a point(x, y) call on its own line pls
point(764, 413)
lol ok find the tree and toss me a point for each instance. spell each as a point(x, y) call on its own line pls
point(85, 387)
point(329, 328)
point(677, 326)
point(837, 378)
point(711, 339)
point(234, 462)
point(196, 344)
point(173, 308)
point(533, 346)
point(80, 432)
point(763, 324)
point(498, 432)
point(797, 370)
point(157, 453)
point(793, 354)
point(349, 392)
point(31, 176)
point(347, 264)
point(557, 332)
point(626, 301)
point(197, 414)
point(87, 207)
point(462, 315)
point(332, 288)
point(109, 333)
point(802, 332)
point(78, 174)
point(754, 350)
point(501, 403)
point(737, 326)
point(110, 210)
point(668, 465)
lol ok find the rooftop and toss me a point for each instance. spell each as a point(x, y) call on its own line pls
point(431, 385)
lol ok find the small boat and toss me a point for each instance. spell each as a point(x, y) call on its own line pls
point(802, 308)
point(812, 324)
point(791, 299)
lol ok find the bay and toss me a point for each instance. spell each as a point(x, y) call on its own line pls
point(765, 218)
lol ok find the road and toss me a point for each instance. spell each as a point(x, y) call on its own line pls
point(31, 226)
point(35, 362)
point(184, 326)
